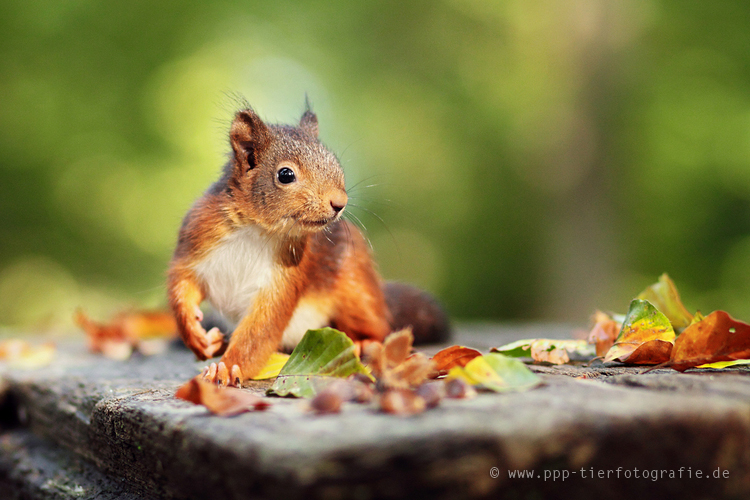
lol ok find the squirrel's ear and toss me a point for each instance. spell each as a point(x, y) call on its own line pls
point(309, 123)
point(248, 135)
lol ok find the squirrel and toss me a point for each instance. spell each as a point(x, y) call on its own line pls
point(267, 246)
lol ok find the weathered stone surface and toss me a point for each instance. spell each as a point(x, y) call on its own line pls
point(34, 468)
point(122, 417)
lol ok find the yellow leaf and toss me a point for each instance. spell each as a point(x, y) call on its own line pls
point(22, 355)
point(724, 364)
point(273, 366)
point(477, 371)
point(664, 296)
point(643, 323)
point(495, 372)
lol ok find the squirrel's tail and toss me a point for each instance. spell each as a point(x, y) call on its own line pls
point(411, 307)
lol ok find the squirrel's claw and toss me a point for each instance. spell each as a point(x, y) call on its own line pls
point(221, 376)
point(236, 376)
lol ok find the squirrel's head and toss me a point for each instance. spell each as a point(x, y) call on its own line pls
point(282, 177)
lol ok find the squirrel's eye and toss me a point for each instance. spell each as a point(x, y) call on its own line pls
point(285, 175)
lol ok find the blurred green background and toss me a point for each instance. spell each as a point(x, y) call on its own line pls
point(529, 159)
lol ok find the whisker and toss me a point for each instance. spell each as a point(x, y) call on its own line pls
point(350, 145)
point(326, 232)
point(395, 242)
point(358, 222)
point(370, 212)
point(365, 180)
point(385, 201)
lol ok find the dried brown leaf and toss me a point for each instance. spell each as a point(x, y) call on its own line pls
point(410, 373)
point(652, 352)
point(543, 353)
point(392, 365)
point(454, 355)
point(604, 333)
point(397, 347)
point(718, 337)
point(145, 331)
point(221, 401)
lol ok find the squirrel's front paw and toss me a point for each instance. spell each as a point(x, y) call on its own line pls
point(216, 344)
point(208, 344)
point(221, 376)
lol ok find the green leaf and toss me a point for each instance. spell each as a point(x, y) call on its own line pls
point(517, 349)
point(643, 323)
point(664, 296)
point(577, 349)
point(321, 356)
point(496, 372)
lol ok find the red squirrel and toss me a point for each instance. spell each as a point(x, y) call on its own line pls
point(267, 246)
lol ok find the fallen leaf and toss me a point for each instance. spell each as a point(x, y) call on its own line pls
point(718, 337)
point(497, 373)
point(554, 355)
point(604, 332)
point(25, 356)
point(152, 347)
point(273, 366)
point(411, 373)
point(719, 365)
point(391, 353)
point(697, 317)
point(221, 401)
point(548, 350)
point(664, 296)
point(394, 367)
point(652, 352)
point(119, 350)
point(643, 323)
point(322, 355)
point(454, 355)
point(144, 331)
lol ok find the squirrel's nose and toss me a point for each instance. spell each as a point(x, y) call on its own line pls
point(338, 201)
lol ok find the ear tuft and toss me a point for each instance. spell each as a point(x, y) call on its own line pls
point(248, 136)
point(309, 122)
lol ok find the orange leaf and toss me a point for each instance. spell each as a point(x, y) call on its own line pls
point(454, 355)
point(221, 401)
point(128, 331)
point(652, 352)
point(604, 332)
point(718, 337)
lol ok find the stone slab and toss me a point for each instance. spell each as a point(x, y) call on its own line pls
point(123, 418)
point(35, 468)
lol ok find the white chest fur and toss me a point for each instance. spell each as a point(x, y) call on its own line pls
point(234, 271)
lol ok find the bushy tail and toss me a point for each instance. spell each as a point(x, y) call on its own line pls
point(410, 306)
